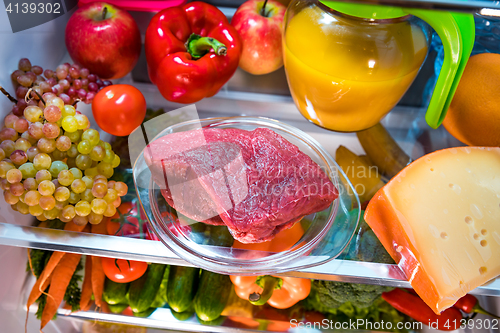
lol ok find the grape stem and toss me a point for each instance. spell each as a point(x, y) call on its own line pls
point(28, 94)
point(76, 101)
point(9, 96)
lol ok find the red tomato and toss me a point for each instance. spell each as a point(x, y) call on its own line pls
point(119, 109)
point(128, 221)
point(123, 271)
point(124, 222)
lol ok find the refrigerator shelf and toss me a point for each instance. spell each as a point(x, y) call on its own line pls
point(153, 251)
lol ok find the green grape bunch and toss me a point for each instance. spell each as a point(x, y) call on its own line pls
point(54, 166)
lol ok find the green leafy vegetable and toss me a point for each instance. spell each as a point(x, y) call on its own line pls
point(42, 300)
point(376, 311)
point(332, 295)
point(73, 292)
point(39, 259)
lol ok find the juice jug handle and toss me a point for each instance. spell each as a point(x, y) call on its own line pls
point(467, 29)
point(447, 28)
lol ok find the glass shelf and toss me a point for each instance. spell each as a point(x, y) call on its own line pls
point(154, 251)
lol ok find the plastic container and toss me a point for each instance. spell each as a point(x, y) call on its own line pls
point(326, 233)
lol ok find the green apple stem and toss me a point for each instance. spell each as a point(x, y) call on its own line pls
point(9, 96)
point(263, 10)
point(198, 46)
point(104, 12)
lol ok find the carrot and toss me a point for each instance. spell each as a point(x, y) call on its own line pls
point(86, 286)
point(60, 280)
point(105, 308)
point(43, 281)
point(98, 278)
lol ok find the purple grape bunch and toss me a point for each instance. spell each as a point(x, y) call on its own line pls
point(71, 83)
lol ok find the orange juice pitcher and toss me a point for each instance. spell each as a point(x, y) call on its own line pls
point(348, 65)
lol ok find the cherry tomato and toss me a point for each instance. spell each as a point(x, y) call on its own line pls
point(123, 271)
point(128, 221)
point(119, 109)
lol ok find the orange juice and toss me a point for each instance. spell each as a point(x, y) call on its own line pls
point(346, 74)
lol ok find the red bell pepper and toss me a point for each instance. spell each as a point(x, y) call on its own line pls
point(192, 51)
point(469, 304)
point(413, 306)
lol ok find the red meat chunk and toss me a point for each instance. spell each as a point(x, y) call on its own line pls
point(255, 182)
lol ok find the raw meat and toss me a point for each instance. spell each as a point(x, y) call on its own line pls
point(255, 182)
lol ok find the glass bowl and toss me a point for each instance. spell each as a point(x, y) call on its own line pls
point(326, 233)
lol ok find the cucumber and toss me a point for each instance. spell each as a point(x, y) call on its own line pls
point(143, 291)
point(117, 308)
point(145, 313)
point(161, 296)
point(182, 286)
point(114, 292)
point(212, 295)
point(220, 236)
point(215, 322)
point(185, 315)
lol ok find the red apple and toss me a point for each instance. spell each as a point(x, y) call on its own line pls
point(105, 39)
point(259, 24)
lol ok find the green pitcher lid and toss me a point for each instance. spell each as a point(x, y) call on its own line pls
point(367, 11)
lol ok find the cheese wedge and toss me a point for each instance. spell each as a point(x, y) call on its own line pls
point(439, 219)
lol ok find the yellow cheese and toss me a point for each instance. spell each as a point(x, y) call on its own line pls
point(439, 218)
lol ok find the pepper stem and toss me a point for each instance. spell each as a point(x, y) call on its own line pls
point(269, 284)
point(198, 46)
point(478, 309)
